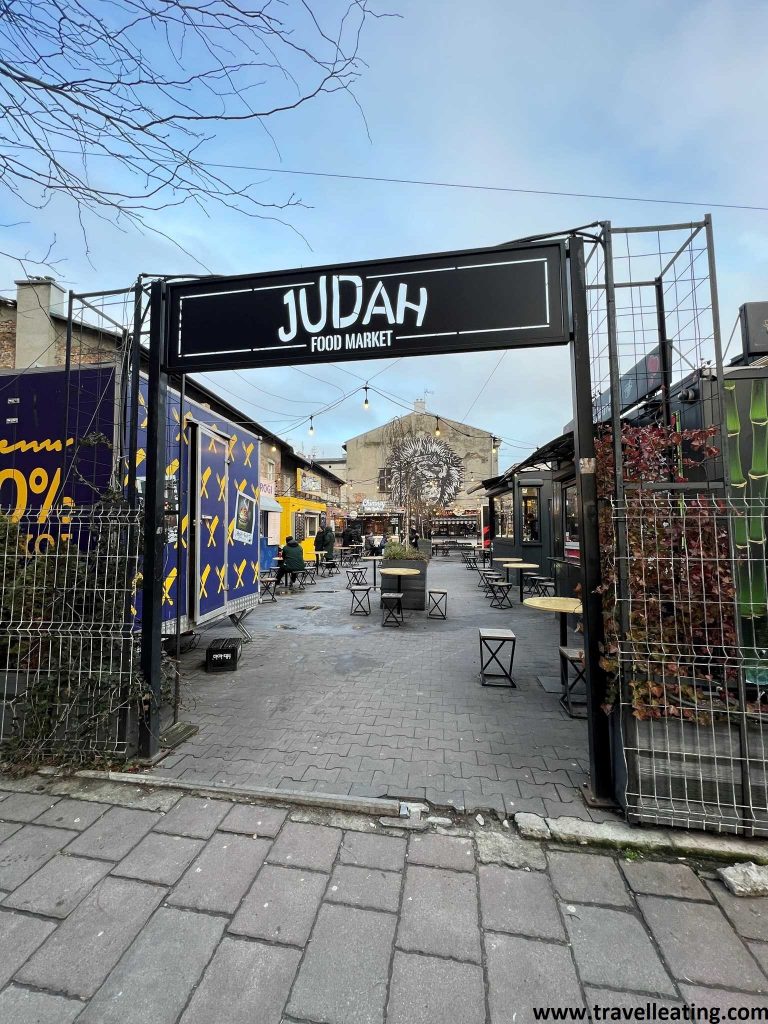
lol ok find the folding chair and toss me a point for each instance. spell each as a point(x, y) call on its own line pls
point(500, 594)
point(572, 658)
point(356, 578)
point(437, 604)
point(361, 601)
point(495, 645)
point(267, 588)
point(392, 609)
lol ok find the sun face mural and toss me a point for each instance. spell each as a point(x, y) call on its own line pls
point(424, 468)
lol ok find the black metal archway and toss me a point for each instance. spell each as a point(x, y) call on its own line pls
point(524, 294)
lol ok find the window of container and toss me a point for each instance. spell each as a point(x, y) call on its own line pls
point(570, 515)
point(530, 515)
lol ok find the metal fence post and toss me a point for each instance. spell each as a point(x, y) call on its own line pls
point(600, 764)
point(154, 512)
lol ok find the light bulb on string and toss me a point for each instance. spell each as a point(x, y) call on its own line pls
point(274, 448)
point(437, 426)
point(311, 425)
point(366, 404)
point(495, 446)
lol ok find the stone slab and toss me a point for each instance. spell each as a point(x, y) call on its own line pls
point(59, 886)
point(532, 826)
point(747, 914)
point(745, 879)
point(760, 953)
point(699, 945)
point(306, 846)
point(120, 794)
point(604, 998)
point(365, 887)
point(433, 991)
point(518, 901)
point(499, 848)
point(439, 914)
point(343, 978)
point(221, 875)
point(612, 948)
point(373, 851)
point(25, 806)
point(25, 852)
point(162, 859)
point(523, 973)
point(22, 1006)
point(615, 834)
point(255, 977)
point(702, 844)
point(254, 820)
point(82, 951)
point(658, 878)
point(114, 834)
point(281, 905)
point(714, 998)
point(442, 852)
point(20, 936)
point(195, 817)
point(154, 979)
point(7, 829)
point(75, 814)
point(588, 878)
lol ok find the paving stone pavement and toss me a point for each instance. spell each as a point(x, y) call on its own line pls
point(326, 702)
point(186, 916)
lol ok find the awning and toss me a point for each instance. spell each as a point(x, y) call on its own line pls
point(268, 504)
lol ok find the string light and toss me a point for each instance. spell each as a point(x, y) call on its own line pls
point(366, 404)
point(437, 426)
point(311, 425)
point(495, 445)
point(274, 448)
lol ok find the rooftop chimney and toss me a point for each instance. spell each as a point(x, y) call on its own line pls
point(419, 405)
point(36, 335)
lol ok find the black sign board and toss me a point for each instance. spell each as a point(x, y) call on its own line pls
point(641, 380)
point(506, 297)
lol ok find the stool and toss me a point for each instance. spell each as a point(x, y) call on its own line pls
point(471, 562)
point(392, 608)
point(495, 645)
point(486, 575)
point(361, 601)
point(437, 604)
point(310, 574)
point(529, 584)
point(333, 568)
point(500, 594)
point(301, 577)
point(356, 578)
point(267, 587)
point(223, 654)
point(572, 657)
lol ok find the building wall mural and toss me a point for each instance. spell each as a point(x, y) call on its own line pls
point(424, 469)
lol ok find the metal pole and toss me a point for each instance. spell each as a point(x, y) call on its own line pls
point(133, 415)
point(154, 533)
point(665, 353)
point(601, 768)
point(67, 392)
point(180, 504)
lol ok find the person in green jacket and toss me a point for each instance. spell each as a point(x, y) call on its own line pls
point(329, 541)
point(293, 560)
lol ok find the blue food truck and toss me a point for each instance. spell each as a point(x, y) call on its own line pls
point(64, 443)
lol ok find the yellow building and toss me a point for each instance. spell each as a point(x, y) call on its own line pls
point(300, 519)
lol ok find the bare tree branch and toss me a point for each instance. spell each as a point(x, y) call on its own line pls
point(114, 103)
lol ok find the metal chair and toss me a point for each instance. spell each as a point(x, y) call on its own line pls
point(495, 645)
point(310, 571)
point(267, 588)
point(572, 658)
point(500, 591)
point(392, 609)
point(437, 604)
point(361, 601)
point(356, 577)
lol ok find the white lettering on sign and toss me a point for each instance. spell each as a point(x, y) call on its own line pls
point(378, 304)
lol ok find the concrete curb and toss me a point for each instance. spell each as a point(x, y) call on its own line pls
point(618, 835)
point(243, 794)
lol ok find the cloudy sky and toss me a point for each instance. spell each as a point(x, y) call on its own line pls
point(654, 100)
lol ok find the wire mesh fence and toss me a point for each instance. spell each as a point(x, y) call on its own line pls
point(68, 645)
point(693, 683)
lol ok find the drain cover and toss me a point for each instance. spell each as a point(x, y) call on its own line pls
point(283, 626)
point(310, 607)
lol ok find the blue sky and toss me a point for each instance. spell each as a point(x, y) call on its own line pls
point(647, 99)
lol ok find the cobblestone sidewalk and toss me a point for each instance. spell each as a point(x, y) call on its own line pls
point(127, 906)
point(326, 702)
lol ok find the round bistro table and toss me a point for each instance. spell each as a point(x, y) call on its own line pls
point(399, 573)
point(520, 566)
point(562, 606)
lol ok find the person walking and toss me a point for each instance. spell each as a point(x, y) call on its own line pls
point(292, 562)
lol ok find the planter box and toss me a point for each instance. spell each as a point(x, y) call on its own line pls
point(414, 588)
point(694, 776)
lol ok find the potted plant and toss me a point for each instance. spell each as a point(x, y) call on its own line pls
point(414, 588)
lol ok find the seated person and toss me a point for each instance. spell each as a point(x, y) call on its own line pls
point(293, 561)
